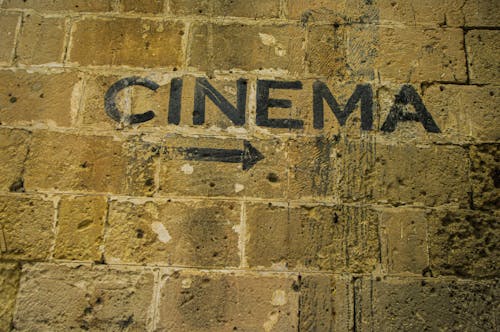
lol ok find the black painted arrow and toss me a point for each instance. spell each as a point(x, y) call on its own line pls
point(248, 157)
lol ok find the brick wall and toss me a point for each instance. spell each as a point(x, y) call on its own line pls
point(356, 224)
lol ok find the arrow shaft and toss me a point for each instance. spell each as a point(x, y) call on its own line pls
point(207, 154)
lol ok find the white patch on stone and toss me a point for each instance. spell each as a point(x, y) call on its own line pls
point(279, 298)
point(267, 40)
point(161, 231)
point(238, 187)
point(186, 283)
point(273, 319)
point(187, 169)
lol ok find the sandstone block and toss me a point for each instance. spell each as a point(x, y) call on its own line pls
point(312, 238)
point(482, 47)
point(485, 160)
point(59, 297)
point(191, 301)
point(144, 6)
point(92, 112)
point(404, 242)
point(8, 26)
point(174, 233)
point(329, 168)
point(26, 227)
point(31, 98)
point(80, 228)
point(431, 175)
point(325, 303)
point(155, 43)
point(9, 284)
point(60, 5)
point(413, 54)
point(343, 53)
point(77, 163)
point(463, 243)
point(13, 150)
point(394, 304)
point(247, 47)
point(243, 8)
point(267, 178)
point(41, 40)
point(481, 13)
point(465, 112)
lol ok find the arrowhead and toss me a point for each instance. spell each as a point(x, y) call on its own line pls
point(251, 156)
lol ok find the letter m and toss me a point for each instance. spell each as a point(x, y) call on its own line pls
point(363, 94)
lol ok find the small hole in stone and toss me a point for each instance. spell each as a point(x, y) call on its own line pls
point(211, 184)
point(272, 177)
point(13, 100)
point(140, 233)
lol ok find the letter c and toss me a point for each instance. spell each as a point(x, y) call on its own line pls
point(110, 104)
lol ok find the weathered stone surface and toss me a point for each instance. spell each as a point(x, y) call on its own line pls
point(403, 234)
point(180, 177)
point(244, 8)
point(92, 39)
point(58, 5)
point(481, 13)
point(465, 112)
point(410, 54)
point(397, 304)
point(312, 237)
point(13, 151)
point(325, 303)
point(174, 233)
point(32, 98)
point(9, 284)
point(430, 175)
point(482, 47)
point(343, 52)
point(247, 47)
point(194, 301)
point(331, 168)
point(26, 224)
point(8, 26)
point(464, 243)
point(143, 6)
point(332, 11)
point(92, 113)
point(80, 228)
point(41, 40)
point(485, 176)
point(59, 297)
point(71, 162)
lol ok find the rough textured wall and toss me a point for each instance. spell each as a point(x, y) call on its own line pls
point(310, 165)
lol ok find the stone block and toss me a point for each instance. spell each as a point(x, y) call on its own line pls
point(26, 227)
point(155, 43)
point(277, 48)
point(197, 301)
point(8, 27)
point(312, 238)
point(41, 40)
point(13, 150)
point(181, 176)
point(34, 98)
point(482, 48)
point(174, 233)
point(59, 297)
point(80, 228)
